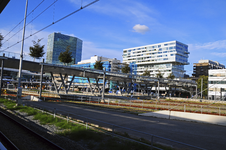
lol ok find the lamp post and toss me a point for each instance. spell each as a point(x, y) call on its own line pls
point(19, 89)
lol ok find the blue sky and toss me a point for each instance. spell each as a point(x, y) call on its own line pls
point(109, 26)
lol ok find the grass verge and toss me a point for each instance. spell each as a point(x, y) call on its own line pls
point(93, 139)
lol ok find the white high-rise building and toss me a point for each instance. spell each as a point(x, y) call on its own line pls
point(167, 57)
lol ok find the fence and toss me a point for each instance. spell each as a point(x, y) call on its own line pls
point(196, 107)
point(128, 132)
point(202, 108)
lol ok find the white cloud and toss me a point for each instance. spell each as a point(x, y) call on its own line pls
point(90, 49)
point(221, 44)
point(219, 54)
point(126, 8)
point(141, 28)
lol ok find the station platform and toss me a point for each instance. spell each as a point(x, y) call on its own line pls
point(187, 116)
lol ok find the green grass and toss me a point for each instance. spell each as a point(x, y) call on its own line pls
point(30, 111)
point(94, 139)
point(10, 104)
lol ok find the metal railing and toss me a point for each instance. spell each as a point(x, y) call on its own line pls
point(153, 139)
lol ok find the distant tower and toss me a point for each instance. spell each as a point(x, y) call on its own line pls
point(58, 43)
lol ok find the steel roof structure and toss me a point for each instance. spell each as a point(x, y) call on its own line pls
point(3, 4)
point(93, 73)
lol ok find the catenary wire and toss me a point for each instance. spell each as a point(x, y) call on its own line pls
point(31, 21)
point(23, 19)
point(53, 23)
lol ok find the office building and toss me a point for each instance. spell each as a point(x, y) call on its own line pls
point(58, 43)
point(203, 66)
point(217, 84)
point(108, 63)
point(112, 65)
point(167, 57)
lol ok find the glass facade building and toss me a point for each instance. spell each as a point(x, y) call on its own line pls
point(167, 57)
point(111, 65)
point(58, 43)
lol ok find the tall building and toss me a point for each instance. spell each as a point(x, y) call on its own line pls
point(203, 66)
point(217, 84)
point(167, 57)
point(58, 43)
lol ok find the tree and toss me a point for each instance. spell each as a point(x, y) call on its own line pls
point(1, 38)
point(66, 56)
point(36, 51)
point(204, 84)
point(159, 74)
point(98, 65)
point(171, 76)
point(126, 68)
point(146, 73)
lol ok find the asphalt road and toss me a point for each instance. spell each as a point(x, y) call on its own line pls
point(203, 135)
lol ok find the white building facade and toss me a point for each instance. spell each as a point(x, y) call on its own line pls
point(110, 64)
point(217, 84)
point(167, 57)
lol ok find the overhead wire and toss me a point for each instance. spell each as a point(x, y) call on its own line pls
point(53, 23)
point(31, 21)
point(23, 19)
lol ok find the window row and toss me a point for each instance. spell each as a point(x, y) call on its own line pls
point(217, 82)
point(218, 75)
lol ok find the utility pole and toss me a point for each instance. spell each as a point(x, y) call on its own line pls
point(158, 89)
point(103, 89)
point(215, 93)
point(201, 86)
point(196, 92)
point(19, 89)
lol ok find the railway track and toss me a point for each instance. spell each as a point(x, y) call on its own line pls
point(6, 143)
point(22, 137)
point(183, 106)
